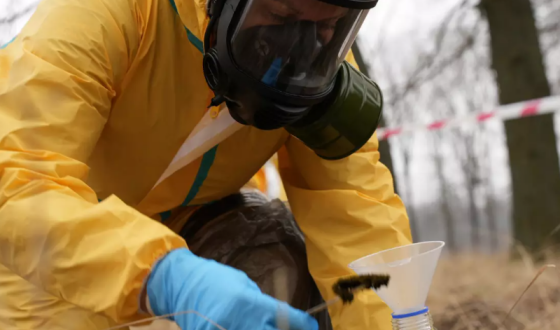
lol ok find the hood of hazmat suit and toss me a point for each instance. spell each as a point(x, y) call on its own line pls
point(96, 98)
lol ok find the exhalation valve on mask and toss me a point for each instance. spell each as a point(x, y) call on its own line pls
point(293, 76)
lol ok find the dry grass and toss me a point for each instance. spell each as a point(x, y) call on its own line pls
point(476, 291)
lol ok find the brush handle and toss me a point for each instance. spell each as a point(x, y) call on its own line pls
point(323, 306)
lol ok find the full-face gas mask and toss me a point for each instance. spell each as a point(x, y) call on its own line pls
point(280, 63)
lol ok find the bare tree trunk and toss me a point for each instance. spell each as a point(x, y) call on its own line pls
point(489, 199)
point(473, 215)
point(445, 198)
point(520, 72)
point(384, 147)
point(411, 210)
point(490, 211)
point(471, 170)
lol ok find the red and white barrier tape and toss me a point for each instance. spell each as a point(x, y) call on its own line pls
point(510, 111)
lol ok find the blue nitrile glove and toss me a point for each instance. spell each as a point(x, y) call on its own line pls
point(182, 281)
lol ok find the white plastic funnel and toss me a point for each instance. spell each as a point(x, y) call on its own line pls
point(410, 267)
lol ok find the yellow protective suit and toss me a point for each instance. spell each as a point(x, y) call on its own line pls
point(96, 97)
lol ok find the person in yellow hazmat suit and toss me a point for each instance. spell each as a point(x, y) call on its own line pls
point(97, 97)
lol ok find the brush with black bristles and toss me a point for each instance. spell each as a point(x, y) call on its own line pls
point(345, 288)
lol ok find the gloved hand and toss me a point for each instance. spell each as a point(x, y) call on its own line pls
point(182, 281)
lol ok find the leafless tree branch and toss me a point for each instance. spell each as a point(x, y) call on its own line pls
point(432, 64)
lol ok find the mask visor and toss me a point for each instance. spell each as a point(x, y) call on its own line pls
point(294, 46)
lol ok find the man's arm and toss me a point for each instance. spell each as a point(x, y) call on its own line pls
point(57, 82)
point(347, 209)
